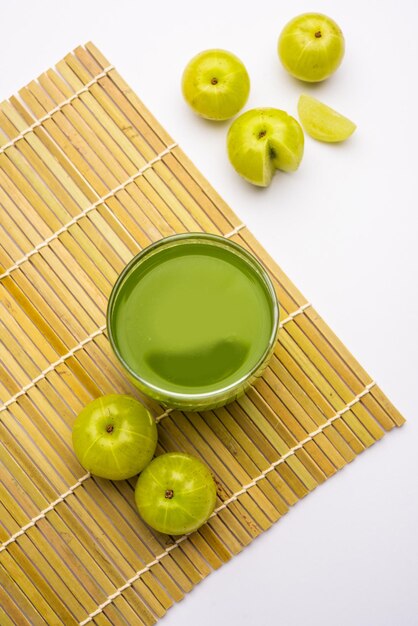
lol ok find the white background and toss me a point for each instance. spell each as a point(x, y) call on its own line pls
point(345, 229)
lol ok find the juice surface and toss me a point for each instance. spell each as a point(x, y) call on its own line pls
point(192, 318)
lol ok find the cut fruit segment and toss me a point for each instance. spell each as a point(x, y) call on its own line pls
point(323, 123)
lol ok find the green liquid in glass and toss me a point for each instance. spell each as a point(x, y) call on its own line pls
point(192, 318)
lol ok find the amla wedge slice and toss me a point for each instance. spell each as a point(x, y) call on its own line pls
point(323, 123)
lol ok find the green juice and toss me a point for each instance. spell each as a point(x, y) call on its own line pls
point(192, 320)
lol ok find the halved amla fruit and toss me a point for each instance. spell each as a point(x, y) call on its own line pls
point(323, 123)
point(261, 141)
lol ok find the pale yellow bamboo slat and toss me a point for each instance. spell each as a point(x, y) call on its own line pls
point(12, 171)
point(46, 353)
point(42, 595)
point(9, 613)
point(60, 473)
point(40, 311)
point(40, 99)
point(304, 414)
point(279, 444)
point(73, 599)
point(78, 233)
point(32, 275)
point(113, 112)
point(285, 378)
point(102, 573)
point(279, 419)
point(45, 299)
point(287, 356)
point(90, 569)
point(24, 606)
point(287, 374)
point(326, 380)
point(386, 405)
point(303, 456)
point(334, 378)
point(291, 414)
point(262, 444)
point(94, 149)
point(38, 191)
point(25, 235)
point(176, 175)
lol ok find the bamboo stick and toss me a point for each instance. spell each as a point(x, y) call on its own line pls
point(9, 612)
point(45, 601)
point(25, 608)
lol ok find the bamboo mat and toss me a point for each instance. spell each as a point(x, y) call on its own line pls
point(87, 179)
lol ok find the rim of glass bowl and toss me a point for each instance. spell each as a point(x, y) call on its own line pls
point(174, 240)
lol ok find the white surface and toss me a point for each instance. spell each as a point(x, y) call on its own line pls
point(344, 227)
